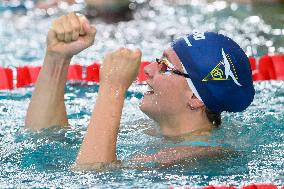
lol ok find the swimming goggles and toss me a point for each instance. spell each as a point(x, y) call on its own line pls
point(167, 66)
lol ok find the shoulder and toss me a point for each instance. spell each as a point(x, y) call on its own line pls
point(171, 155)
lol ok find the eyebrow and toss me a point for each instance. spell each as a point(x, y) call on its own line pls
point(169, 59)
point(165, 55)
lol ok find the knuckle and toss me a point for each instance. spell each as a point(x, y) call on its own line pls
point(76, 34)
point(139, 52)
point(63, 18)
point(118, 51)
point(56, 23)
point(60, 20)
point(126, 51)
point(68, 31)
point(77, 27)
point(60, 32)
point(74, 37)
point(91, 41)
point(137, 55)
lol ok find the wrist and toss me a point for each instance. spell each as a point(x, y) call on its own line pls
point(55, 67)
point(56, 60)
point(58, 57)
point(113, 89)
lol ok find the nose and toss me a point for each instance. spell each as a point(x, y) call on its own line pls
point(151, 69)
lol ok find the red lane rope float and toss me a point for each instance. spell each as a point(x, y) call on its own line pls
point(251, 186)
point(142, 76)
point(27, 75)
point(34, 72)
point(278, 64)
point(260, 186)
point(265, 68)
point(93, 72)
point(75, 73)
point(252, 61)
point(6, 78)
point(23, 77)
point(219, 187)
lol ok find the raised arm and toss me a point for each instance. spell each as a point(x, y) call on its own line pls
point(118, 71)
point(68, 36)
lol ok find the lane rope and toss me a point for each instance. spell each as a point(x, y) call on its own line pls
point(267, 67)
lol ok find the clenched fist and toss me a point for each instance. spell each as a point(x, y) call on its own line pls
point(120, 68)
point(69, 35)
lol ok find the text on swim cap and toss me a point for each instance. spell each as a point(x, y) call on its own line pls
point(197, 35)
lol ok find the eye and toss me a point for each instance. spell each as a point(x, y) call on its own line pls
point(164, 68)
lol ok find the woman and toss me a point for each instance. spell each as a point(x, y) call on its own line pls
point(196, 79)
point(110, 11)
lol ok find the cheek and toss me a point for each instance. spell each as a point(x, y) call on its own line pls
point(170, 93)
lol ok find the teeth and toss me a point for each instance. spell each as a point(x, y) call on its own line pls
point(150, 89)
point(147, 89)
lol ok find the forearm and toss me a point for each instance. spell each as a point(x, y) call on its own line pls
point(47, 106)
point(99, 145)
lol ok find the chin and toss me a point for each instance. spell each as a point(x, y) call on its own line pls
point(148, 109)
point(142, 106)
point(145, 107)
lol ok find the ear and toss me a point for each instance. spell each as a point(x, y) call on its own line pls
point(195, 103)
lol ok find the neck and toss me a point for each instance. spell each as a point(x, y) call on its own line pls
point(183, 124)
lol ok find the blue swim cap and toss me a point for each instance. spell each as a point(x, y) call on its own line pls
point(219, 70)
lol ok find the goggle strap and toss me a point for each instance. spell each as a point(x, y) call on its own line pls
point(191, 85)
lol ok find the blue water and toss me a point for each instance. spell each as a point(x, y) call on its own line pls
point(45, 159)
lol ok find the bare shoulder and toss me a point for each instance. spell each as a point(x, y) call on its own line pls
point(172, 155)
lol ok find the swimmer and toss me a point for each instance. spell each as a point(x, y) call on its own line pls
point(110, 11)
point(257, 1)
point(197, 77)
point(42, 4)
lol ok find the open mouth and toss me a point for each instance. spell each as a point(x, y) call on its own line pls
point(149, 91)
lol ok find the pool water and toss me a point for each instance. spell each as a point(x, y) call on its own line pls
point(45, 159)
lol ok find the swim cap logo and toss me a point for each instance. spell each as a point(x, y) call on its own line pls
point(223, 72)
point(197, 35)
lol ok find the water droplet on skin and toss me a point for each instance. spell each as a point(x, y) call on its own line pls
point(116, 93)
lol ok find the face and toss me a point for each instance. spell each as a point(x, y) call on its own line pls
point(167, 93)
